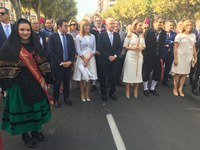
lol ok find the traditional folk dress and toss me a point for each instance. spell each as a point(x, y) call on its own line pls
point(26, 104)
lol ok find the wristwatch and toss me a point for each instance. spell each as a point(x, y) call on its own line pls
point(115, 56)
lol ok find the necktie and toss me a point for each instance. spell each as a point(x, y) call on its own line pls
point(65, 54)
point(168, 36)
point(111, 38)
point(7, 30)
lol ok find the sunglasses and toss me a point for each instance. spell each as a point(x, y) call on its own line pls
point(3, 13)
point(72, 25)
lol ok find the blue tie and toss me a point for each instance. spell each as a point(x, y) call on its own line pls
point(65, 54)
point(7, 31)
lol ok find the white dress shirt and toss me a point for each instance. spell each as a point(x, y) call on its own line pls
point(110, 34)
point(61, 38)
point(4, 27)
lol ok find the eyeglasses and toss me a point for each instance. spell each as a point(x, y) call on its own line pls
point(72, 25)
point(2, 13)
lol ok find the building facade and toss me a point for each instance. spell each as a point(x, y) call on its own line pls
point(105, 4)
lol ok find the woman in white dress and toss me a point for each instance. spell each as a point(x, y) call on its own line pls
point(85, 69)
point(134, 43)
point(184, 56)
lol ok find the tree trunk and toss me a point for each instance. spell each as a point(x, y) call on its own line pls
point(38, 9)
point(16, 5)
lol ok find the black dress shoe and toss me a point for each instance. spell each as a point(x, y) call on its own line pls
point(154, 92)
point(104, 98)
point(68, 102)
point(146, 93)
point(28, 141)
point(195, 92)
point(57, 104)
point(113, 97)
point(166, 84)
point(38, 135)
point(93, 88)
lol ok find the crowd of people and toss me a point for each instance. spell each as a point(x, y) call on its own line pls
point(85, 53)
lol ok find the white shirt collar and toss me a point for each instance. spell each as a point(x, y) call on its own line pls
point(3, 24)
point(60, 33)
point(109, 32)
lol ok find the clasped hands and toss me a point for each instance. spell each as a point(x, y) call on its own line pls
point(139, 48)
point(66, 64)
point(111, 58)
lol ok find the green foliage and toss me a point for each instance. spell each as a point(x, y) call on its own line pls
point(52, 8)
point(128, 10)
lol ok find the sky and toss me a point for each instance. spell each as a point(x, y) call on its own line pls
point(85, 6)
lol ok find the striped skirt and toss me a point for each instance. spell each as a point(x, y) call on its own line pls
point(19, 117)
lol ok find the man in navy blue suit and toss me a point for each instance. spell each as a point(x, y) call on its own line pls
point(109, 46)
point(195, 71)
point(5, 25)
point(167, 51)
point(47, 30)
point(62, 53)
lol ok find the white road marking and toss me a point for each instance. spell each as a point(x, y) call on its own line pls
point(115, 132)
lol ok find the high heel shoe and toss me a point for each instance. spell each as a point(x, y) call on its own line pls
point(83, 98)
point(175, 93)
point(181, 93)
point(135, 95)
point(88, 98)
point(128, 96)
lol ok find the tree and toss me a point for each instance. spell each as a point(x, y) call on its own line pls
point(52, 8)
point(177, 9)
point(16, 6)
point(126, 11)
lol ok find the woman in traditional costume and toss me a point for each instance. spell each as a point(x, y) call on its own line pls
point(23, 68)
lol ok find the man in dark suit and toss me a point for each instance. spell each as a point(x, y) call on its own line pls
point(40, 35)
point(195, 71)
point(5, 25)
point(109, 46)
point(47, 30)
point(62, 53)
point(155, 41)
point(167, 51)
point(5, 29)
point(96, 31)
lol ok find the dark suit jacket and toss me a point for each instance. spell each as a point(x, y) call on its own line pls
point(3, 37)
point(55, 49)
point(152, 47)
point(105, 48)
point(41, 35)
point(197, 39)
point(95, 32)
point(169, 44)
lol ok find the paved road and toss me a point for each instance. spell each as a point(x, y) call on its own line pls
point(154, 123)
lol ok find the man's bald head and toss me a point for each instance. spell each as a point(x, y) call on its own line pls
point(35, 25)
point(110, 24)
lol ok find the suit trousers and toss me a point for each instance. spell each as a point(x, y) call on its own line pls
point(110, 69)
point(151, 64)
point(61, 75)
point(120, 68)
point(194, 74)
point(167, 60)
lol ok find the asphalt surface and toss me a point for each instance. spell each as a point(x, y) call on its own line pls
point(155, 123)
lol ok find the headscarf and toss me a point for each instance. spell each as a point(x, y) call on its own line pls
point(11, 48)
